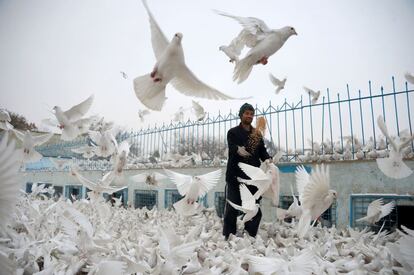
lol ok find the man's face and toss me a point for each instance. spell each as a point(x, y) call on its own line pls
point(247, 117)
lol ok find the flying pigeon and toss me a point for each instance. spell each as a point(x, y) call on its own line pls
point(170, 67)
point(142, 113)
point(314, 95)
point(262, 40)
point(280, 84)
point(376, 211)
point(27, 152)
point(151, 179)
point(314, 195)
point(409, 77)
point(70, 120)
point(393, 166)
point(198, 111)
point(248, 206)
point(5, 120)
point(192, 188)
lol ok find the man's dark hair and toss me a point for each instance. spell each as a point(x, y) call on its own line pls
point(244, 107)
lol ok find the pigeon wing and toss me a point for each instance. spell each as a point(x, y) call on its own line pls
point(274, 80)
point(387, 209)
point(255, 173)
point(79, 110)
point(40, 139)
point(384, 130)
point(158, 39)
point(302, 179)
point(208, 181)
point(182, 181)
point(188, 84)
point(254, 25)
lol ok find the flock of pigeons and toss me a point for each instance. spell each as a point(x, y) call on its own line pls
point(41, 235)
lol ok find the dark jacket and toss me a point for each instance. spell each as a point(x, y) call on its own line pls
point(238, 136)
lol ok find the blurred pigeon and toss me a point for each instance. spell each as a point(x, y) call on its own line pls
point(393, 166)
point(314, 95)
point(280, 84)
point(409, 77)
point(124, 75)
point(376, 211)
point(150, 178)
point(142, 113)
point(27, 152)
point(69, 120)
point(170, 67)
point(5, 120)
point(198, 111)
point(314, 195)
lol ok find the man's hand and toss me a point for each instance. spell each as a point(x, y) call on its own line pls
point(242, 151)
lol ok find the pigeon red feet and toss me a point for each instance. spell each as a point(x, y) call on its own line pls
point(263, 60)
point(157, 79)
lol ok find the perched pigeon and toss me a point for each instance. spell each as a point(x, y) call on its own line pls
point(248, 206)
point(409, 77)
point(376, 211)
point(393, 166)
point(70, 120)
point(314, 195)
point(5, 120)
point(280, 84)
point(192, 188)
point(262, 40)
point(170, 67)
point(314, 95)
point(27, 152)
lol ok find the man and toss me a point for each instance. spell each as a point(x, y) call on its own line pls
point(245, 145)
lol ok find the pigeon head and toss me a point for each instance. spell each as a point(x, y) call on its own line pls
point(289, 31)
point(178, 37)
point(333, 194)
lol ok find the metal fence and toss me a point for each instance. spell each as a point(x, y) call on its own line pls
point(296, 129)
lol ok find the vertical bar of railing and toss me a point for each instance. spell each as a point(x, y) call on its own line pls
point(350, 121)
point(310, 117)
point(212, 147)
point(323, 124)
point(340, 123)
point(208, 134)
point(286, 130)
point(395, 106)
point(202, 136)
point(278, 128)
point(372, 113)
point(303, 134)
point(330, 118)
point(294, 130)
point(409, 114)
point(270, 122)
point(362, 117)
point(383, 108)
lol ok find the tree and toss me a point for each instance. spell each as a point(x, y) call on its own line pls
point(19, 122)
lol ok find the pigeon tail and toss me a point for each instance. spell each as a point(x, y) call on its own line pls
point(150, 93)
point(243, 68)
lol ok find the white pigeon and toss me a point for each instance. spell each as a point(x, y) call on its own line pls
point(393, 166)
point(376, 211)
point(29, 141)
point(314, 95)
point(192, 188)
point(280, 84)
point(170, 67)
point(101, 185)
point(5, 120)
point(303, 263)
point(69, 120)
point(150, 178)
point(198, 110)
point(409, 77)
point(179, 115)
point(248, 206)
point(120, 160)
point(142, 113)
point(104, 143)
point(314, 195)
point(294, 210)
point(262, 40)
point(86, 151)
point(258, 178)
point(9, 177)
point(60, 163)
